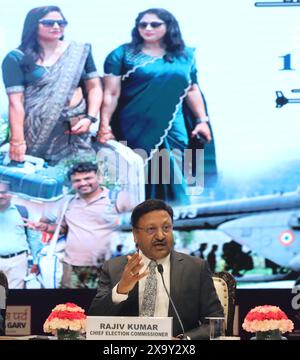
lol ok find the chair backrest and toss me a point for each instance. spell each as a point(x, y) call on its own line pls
point(225, 285)
point(3, 297)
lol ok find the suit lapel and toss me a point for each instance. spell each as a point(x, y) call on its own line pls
point(176, 271)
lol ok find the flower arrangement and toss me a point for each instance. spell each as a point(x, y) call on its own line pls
point(67, 316)
point(267, 318)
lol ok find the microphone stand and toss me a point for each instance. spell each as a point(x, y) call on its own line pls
point(160, 269)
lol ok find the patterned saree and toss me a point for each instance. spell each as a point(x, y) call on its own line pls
point(47, 111)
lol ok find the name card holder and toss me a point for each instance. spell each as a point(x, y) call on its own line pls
point(128, 328)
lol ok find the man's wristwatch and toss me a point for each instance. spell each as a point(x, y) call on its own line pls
point(92, 118)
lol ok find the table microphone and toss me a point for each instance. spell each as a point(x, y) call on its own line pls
point(160, 269)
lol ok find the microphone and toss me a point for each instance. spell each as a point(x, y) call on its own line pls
point(160, 269)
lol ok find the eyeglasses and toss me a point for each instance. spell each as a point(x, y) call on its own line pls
point(151, 230)
point(153, 24)
point(50, 23)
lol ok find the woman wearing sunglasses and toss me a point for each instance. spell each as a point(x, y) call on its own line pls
point(45, 79)
point(150, 85)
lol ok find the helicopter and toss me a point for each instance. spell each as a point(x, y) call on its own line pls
point(268, 225)
point(281, 100)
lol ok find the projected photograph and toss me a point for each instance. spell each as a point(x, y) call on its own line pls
point(104, 105)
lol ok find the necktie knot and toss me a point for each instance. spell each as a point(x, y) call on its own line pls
point(152, 266)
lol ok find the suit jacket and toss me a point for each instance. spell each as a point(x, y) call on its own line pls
point(191, 289)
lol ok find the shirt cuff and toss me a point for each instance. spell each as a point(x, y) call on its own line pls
point(91, 75)
point(118, 298)
point(15, 89)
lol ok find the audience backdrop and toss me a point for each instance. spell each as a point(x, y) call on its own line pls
point(248, 62)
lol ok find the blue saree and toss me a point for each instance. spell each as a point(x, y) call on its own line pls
point(149, 115)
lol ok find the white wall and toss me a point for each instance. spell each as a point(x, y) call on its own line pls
point(238, 49)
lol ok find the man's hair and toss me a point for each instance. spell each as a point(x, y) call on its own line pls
point(148, 206)
point(82, 167)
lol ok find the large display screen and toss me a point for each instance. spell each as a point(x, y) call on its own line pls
point(243, 215)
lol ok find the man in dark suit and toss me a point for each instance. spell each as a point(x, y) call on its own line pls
point(188, 279)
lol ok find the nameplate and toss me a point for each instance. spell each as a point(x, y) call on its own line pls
point(18, 320)
point(128, 328)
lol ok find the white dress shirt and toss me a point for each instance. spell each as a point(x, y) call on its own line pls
point(162, 300)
